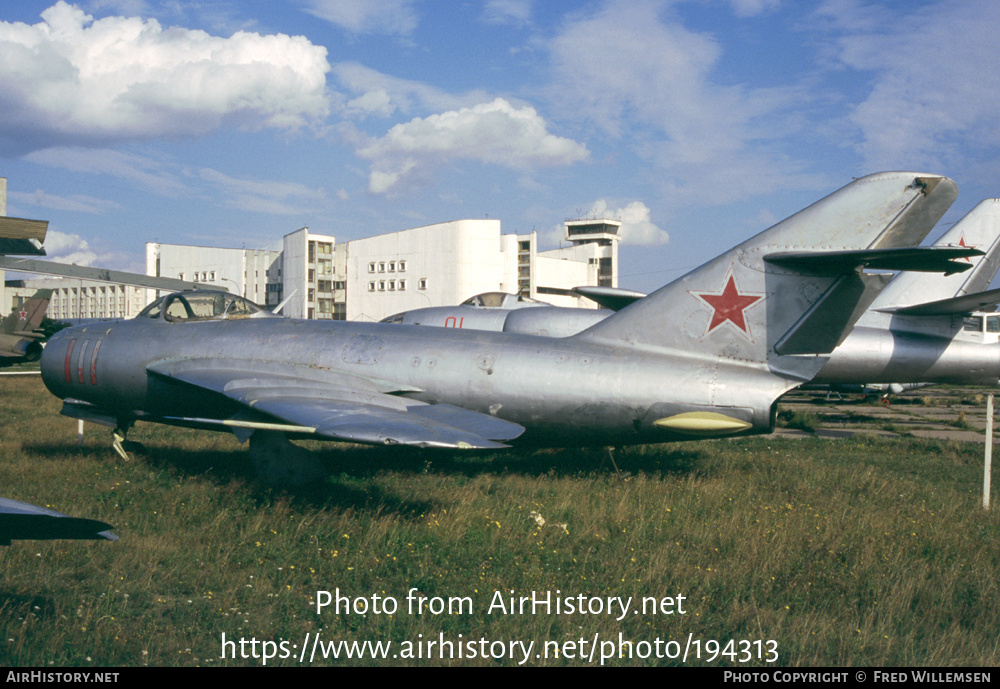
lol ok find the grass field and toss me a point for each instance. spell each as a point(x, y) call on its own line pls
point(852, 552)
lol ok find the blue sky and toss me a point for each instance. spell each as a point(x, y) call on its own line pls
point(695, 122)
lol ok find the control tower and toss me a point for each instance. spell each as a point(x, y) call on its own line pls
point(603, 234)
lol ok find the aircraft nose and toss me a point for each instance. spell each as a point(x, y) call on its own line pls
point(54, 360)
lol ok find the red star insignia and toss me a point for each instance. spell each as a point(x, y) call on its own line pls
point(961, 243)
point(23, 314)
point(728, 305)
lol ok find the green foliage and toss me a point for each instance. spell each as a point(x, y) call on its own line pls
point(861, 552)
point(50, 327)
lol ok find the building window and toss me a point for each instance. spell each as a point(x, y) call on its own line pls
point(392, 266)
point(381, 267)
point(392, 285)
point(371, 267)
point(402, 284)
point(371, 286)
point(381, 285)
point(402, 266)
point(422, 284)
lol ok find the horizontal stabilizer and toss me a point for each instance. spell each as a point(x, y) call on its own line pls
point(830, 320)
point(927, 259)
point(980, 301)
point(760, 300)
point(613, 298)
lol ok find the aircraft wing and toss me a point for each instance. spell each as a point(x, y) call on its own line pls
point(21, 520)
point(967, 303)
point(336, 405)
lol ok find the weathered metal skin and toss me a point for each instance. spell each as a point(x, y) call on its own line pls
point(882, 355)
point(540, 319)
point(599, 394)
point(698, 358)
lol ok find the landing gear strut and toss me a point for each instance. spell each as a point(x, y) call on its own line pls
point(122, 446)
point(611, 455)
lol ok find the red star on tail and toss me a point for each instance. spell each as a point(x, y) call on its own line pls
point(728, 305)
point(961, 242)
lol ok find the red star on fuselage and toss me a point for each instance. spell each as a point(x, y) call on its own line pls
point(728, 305)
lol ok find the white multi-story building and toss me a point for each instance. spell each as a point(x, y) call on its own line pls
point(241, 271)
point(371, 278)
point(76, 299)
point(311, 276)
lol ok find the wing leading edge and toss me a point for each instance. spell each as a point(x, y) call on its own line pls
point(336, 405)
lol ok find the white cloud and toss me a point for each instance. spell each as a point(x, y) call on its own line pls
point(145, 171)
point(750, 8)
point(74, 79)
point(636, 72)
point(935, 81)
point(281, 198)
point(383, 94)
point(78, 203)
point(68, 248)
point(496, 133)
point(367, 16)
point(168, 179)
point(508, 11)
point(377, 102)
point(637, 228)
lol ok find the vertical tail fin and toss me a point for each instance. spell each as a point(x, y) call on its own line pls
point(29, 316)
point(738, 307)
point(980, 229)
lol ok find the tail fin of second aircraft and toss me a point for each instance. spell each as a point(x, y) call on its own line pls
point(27, 318)
point(980, 228)
point(795, 288)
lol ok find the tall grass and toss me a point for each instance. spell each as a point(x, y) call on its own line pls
point(863, 552)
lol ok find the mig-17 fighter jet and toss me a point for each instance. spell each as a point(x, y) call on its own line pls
point(707, 355)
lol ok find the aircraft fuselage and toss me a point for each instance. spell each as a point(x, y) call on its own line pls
point(561, 390)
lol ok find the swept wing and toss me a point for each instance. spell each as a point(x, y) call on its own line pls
point(335, 405)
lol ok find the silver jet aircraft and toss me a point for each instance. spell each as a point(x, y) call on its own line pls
point(509, 313)
point(924, 329)
point(949, 344)
point(706, 356)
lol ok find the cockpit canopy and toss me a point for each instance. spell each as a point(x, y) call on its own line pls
point(202, 305)
point(497, 300)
